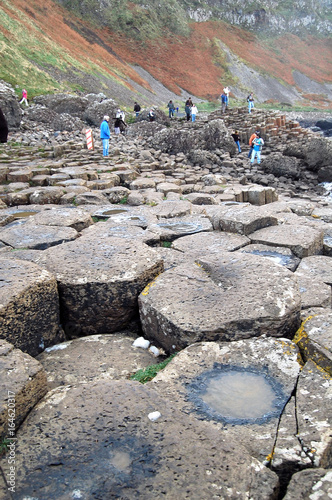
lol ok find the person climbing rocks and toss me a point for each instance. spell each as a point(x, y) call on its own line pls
point(258, 144)
point(252, 137)
point(137, 109)
point(105, 134)
point(24, 97)
point(236, 138)
point(171, 109)
point(251, 102)
point(194, 112)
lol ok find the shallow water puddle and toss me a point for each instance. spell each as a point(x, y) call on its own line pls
point(240, 395)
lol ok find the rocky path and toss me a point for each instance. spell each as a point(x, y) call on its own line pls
point(175, 238)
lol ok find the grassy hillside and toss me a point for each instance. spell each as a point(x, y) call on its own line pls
point(45, 48)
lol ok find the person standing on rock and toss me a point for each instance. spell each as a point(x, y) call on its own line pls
point(24, 97)
point(223, 102)
point(252, 137)
point(226, 91)
point(258, 144)
point(137, 109)
point(236, 138)
point(251, 102)
point(105, 134)
point(187, 108)
point(194, 112)
point(171, 109)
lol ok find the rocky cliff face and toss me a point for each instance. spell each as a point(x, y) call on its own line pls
point(275, 17)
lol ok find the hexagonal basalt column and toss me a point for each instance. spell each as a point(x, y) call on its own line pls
point(227, 297)
point(99, 282)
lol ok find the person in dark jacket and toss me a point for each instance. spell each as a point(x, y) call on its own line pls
point(236, 138)
point(3, 127)
point(137, 109)
point(171, 109)
point(187, 108)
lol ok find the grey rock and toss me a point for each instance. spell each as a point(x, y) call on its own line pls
point(108, 357)
point(29, 312)
point(317, 266)
point(310, 483)
point(302, 241)
point(35, 236)
point(278, 255)
point(214, 300)
point(23, 384)
point(97, 434)
point(99, 282)
point(205, 244)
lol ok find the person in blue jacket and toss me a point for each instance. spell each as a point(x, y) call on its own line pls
point(105, 134)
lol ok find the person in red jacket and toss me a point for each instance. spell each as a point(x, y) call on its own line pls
point(252, 137)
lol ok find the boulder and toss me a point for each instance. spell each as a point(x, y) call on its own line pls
point(226, 297)
point(23, 384)
point(10, 106)
point(99, 282)
point(75, 218)
point(95, 112)
point(281, 166)
point(64, 103)
point(29, 310)
point(122, 439)
point(318, 153)
point(241, 219)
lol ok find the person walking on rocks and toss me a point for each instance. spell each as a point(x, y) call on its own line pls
point(258, 144)
point(223, 102)
point(236, 138)
point(137, 109)
point(194, 112)
point(251, 102)
point(187, 108)
point(24, 97)
point(105, 134)
point(252, 137)
point(226, 91)
point(171, 109)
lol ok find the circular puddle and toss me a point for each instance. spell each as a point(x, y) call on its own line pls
point(237, 395)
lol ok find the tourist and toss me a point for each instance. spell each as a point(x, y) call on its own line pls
point(24, 97)
point(258, 144)
point(151, 116)
point(226, 91)
point(252, 137)
point(194, 112)
point(187, 108)
point(171, 109)
point(223, 102)
point(105, 134)
point(137, 109)
point(250, 100)
point(236, 138)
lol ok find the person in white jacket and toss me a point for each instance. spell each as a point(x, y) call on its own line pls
point(194, 112)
